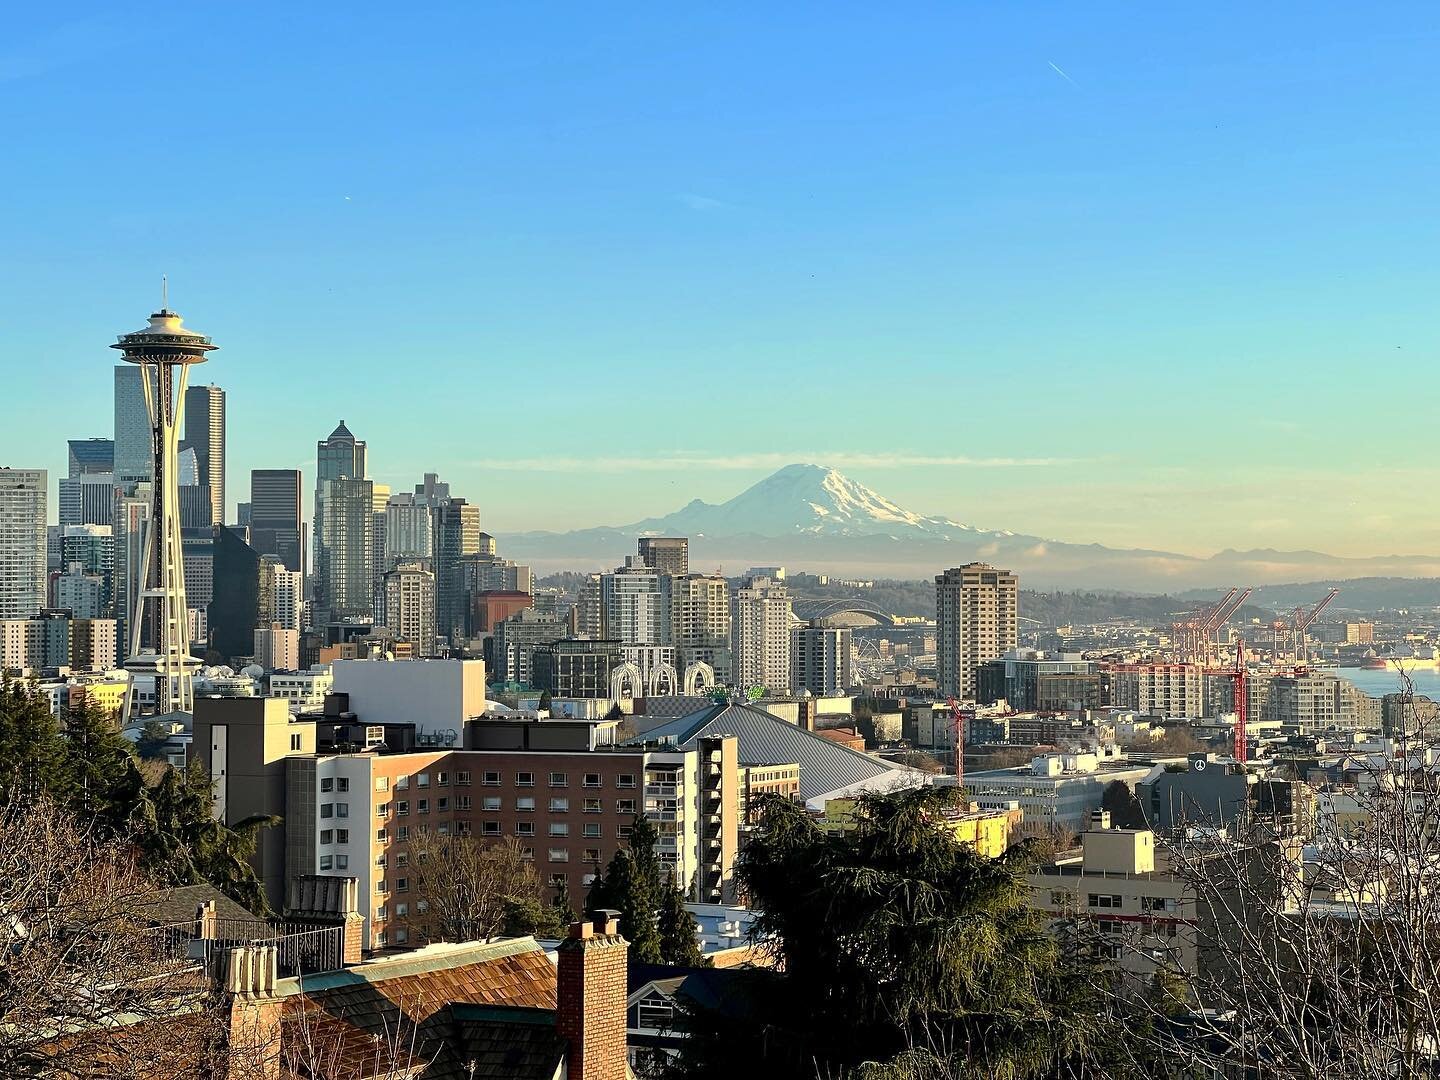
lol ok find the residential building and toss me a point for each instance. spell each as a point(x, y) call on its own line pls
point(635, 604)
point(22, 542)
point(1179, 690)
point(205, 432)
point(1359, 633)
point(488, 609)
point(282, 593)
point(666, 554)
point(976, 620)
point(410, 605)
point(515, 640)
point(589, 611)
point(456, 532)
point(380, 497)
point(276, 525)
point(1210, 792)
point(700, 623)
point(81, 593)
point(408, 524)
point(1029, 681)
point(53, 639)
point(820, 656)
point(760, 635)
point(484, 571)
point(302, 690)
point(93, 548)
point(575, 667)
point(277, 648)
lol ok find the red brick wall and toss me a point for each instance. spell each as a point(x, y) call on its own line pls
point(590, 986)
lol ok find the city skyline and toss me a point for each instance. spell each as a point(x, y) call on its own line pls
point(546, 221)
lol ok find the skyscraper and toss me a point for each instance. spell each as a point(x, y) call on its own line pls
point(22, 542)
point(667, 554)
point(275, 516)
point(87, 499)
point(159, 636)
point(456, 533)
point(700, 623)
point(344, 552)
point(92, 456)
point(820, 657)
point(760, 635)
point(340, 457)
point(407, 528)
point(410, 605)
point(635, 605)
point(132, 446)
point(205, 431)
point(976, 620)
point(380, 495)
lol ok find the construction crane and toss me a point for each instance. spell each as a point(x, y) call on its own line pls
point(957, 714)
point(1242, 701)
point(1221, 615)
point(1195, 636)
point(1304, 621)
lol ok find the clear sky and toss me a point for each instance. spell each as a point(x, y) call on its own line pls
point(1124, 272)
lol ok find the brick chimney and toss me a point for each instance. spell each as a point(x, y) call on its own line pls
point(590, 992)
point(255, 1013)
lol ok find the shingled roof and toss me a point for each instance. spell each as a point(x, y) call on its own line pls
point(765, 739)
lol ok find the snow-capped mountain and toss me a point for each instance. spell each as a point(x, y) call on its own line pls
point(813, 518)
point(798, 500)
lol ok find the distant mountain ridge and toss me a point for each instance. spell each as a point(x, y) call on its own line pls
point(813, 518)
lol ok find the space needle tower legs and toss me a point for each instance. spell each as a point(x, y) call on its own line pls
point(158, 631)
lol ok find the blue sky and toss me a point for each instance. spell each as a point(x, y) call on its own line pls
point(1114, 272)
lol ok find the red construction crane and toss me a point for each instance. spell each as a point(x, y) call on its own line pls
point(957, 714)
point(1242, 701)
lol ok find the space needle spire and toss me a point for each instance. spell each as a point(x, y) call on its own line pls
point(158, 630)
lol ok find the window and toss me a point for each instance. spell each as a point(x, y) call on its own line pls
point(342, 809)
point(422, 906)
point(559, 779)
point(558, 881)
point(488, 779)
point(528, 854)
point(1110, 926)
point(381, 913)
point(625, 780)
point(422, 806)
point(402, 859)
point(442, 779)
point(1104, 900)
point(592, 829)
point(422, 779)
point(342, 783)
point(380, 937)
point(462, 828)
point(402, 884)
point(624, 831)
point(380, 860)
point(490, 828)
point(401, 934)
point(295, 740)
point(462, 777)
point(462, 802)
point(525, 804)
point(404, 833)
point(592, 854)
point(325, 862)
point(401, 910)
point(559, 806)
point(622, 806)
point(1157, 903)
point(381, 885)
point(402, 807)
point(401, 783)
point(559, 854)
point(593, 806)
point(488, 802)
point(342, 836)
point(525, 779)
point(524, 828)
point(327, 836)
point(381, 809)
point(327, 809)
point(592, 779)
point(442, 803)
point(327, 783)
point(382, 783)
point(444, 829)
point(342, 862)
point(381, 836)
point(559, 828)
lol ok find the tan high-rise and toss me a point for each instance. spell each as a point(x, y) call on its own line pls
point(976, 620)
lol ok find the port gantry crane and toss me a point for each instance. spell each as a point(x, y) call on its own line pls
point(1303, 622)
point(1195, 637)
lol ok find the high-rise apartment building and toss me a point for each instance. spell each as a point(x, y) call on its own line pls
point(700, 623)
point(205, 432)
point(516, 639)
point(380, 495)
point(275, 522)
point(635, 605)
point(89, 456)
point(410, 605)
point(820, 656)
point(456, 532)
point(667, 554)
point(92, 549)
point(977, 611)
point(22, 542)
point(87, 499)
point(282, 593)
point(132, 449)
point(407, 528)
point(760, 635)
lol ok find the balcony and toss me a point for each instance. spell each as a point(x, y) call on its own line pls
point(661, 791)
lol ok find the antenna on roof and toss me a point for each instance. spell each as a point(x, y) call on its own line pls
point(164, 292)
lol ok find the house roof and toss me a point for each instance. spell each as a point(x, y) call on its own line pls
point(765, 739)
point(505, 1042)
point(168, 907)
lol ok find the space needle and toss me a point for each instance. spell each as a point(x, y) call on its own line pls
point(158, 634)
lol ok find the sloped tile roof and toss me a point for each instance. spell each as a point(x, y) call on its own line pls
point(764, 739)
point(508, 1043)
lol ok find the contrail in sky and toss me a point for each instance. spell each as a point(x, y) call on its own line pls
point(1061, 73)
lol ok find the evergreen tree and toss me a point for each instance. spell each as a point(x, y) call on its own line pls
point(598, 895)
point(100, 774)
point(32, 750)
point(564, 912)
point(643, 840)
point(545, 699)
point(628, 892)
point(153, 737)
point(677, 929)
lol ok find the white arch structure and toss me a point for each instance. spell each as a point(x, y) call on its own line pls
point(663, 675)
point(699, 677)
point(625, 677)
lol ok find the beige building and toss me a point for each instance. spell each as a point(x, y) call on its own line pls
point(410, 605)
point(760, 635)
point(977, 611)
point(700, 621)
point(1159, 689)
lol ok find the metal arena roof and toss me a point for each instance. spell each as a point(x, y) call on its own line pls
point(764, 739)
